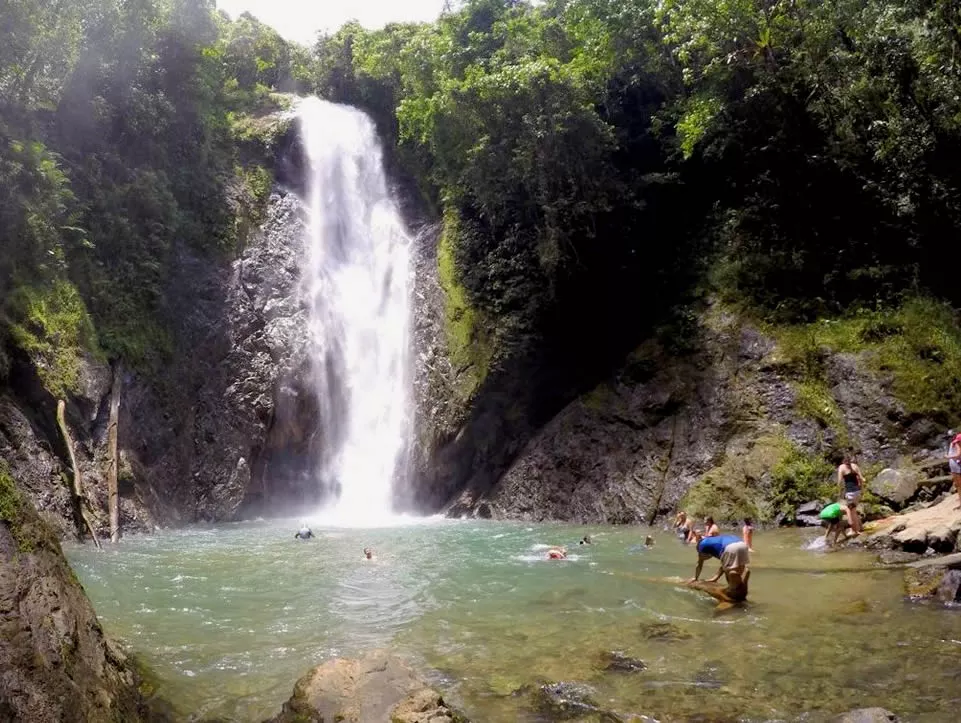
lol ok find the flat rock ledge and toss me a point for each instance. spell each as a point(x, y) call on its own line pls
point(377, 687)
point(933, 528)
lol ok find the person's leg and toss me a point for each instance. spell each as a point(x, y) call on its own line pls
point(858, 529)
point(957, 486)
point(851, 513)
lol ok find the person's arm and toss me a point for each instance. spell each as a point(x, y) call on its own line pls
point(749, 538)
point(720, 571)
point(857, 471)
point(840, 481)
point(697, 570)
point(957, 454)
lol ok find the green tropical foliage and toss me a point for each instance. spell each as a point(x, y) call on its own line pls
point(596, 162)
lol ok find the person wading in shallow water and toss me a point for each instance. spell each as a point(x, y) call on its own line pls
point(710, 528)
point(954, 462)
point(735, 558)
point(851, 482)
point(303, 533)
point(747, 533)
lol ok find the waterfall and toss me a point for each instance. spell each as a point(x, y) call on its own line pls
point(359, 290)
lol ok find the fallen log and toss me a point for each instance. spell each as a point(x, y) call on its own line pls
point(75, 470)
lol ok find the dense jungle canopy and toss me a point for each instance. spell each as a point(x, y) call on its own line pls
point(597, 163)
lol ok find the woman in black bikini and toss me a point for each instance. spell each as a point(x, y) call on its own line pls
point(851, 483)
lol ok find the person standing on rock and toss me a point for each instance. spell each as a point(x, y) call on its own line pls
point(954, 462)
point(851, 482)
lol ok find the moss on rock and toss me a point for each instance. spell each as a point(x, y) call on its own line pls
point(760, 478)
point(52, 327)
point(468, 342)
point(917, 346)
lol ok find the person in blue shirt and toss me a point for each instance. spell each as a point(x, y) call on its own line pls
point(735, 558)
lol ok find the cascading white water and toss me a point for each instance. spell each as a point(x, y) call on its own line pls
point(359, 287)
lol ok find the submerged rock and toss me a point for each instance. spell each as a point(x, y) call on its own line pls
point(867, 715)
point(376, 687)
point(665, 631)
point(897, 557)
point(615, 660)
point(563, 701)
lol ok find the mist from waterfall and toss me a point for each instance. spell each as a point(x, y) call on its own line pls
point(359, 287)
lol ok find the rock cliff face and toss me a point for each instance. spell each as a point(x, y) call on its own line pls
point(629, 450)
point(227, 428)
point(55, 662)
point(224, 430)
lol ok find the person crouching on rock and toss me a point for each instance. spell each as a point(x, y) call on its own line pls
point(954, 462)
point(851, 482)
point(556, 553)
point(303, 533)
point(735, 558)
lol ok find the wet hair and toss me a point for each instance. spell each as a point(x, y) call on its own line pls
point(709, 520)
point(747, 521)
point(368, 552)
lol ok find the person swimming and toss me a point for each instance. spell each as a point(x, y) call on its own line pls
point(303, 533)
point(557, 553)
point(368, 554)
point(586, 540)
point(710, 527)
point(648, 541)
point(735, 557)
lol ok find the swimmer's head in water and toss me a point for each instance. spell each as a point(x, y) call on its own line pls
point(368, 553)
point(648, 540)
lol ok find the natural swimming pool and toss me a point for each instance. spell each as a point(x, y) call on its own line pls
point(230, 616)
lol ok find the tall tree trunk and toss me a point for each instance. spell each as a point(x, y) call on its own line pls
point(77, 481)
point(113, 460)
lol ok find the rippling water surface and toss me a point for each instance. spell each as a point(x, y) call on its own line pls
point(230, 616)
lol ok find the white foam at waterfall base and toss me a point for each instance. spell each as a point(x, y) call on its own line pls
point(358, 279)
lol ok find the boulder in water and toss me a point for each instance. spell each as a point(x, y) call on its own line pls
point(377, 687)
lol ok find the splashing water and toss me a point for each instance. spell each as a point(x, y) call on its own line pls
point(360, 307)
